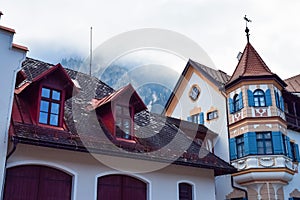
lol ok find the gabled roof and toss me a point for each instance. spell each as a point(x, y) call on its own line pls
point(251, 65)
point(128, 91)
point(293, 84)
point(217, 77)
point(34, 73)
point(87, 133)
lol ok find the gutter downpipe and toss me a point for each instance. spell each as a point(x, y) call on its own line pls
point(232, 182)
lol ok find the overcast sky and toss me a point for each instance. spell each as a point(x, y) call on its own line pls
point(56, 29)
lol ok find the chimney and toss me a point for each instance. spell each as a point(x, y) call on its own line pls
point(239, 56)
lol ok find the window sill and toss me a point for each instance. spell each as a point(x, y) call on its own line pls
point(125, 140)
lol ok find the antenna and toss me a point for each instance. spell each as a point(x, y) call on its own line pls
point(91, 47)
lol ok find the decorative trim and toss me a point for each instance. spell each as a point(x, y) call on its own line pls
point(264, 170)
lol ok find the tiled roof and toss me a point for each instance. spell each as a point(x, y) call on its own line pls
point(157, 138)
point(216, 76)
point(293, 84)
point(250, 64)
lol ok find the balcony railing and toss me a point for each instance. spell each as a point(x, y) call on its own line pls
point(293, 121)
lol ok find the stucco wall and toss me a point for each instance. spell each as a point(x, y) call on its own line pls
point(162, 183)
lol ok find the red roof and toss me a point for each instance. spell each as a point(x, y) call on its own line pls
point(250, 64)
point(293, 84)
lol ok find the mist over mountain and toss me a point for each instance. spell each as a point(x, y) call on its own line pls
point(153, 82)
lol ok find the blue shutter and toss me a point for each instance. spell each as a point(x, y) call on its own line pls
point(277, 141)
point(281, 103)
point(276, 98)
point(268, 98)
point(241, 105)
point(189, 118)
point(250, 143)
point(231, 109)
point(296, 149)
point(250, 98)
point(288, 147)
point(232, 148)
point(201, 118)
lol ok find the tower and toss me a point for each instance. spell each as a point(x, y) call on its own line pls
point(260, 148)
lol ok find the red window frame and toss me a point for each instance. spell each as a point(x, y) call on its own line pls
point(50, 107)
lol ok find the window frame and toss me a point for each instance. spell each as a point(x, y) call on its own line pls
point(51, 102)
point(119, 129)
point(240, 142)
point(235, 103)
point(259, 99)
point(212, 115)
point(190, 195)
point(264, 140)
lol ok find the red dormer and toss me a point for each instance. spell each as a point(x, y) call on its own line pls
point(43, 96)
point(116, 111)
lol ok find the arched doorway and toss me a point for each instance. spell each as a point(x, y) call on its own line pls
point(121, 187)
point(36, 182)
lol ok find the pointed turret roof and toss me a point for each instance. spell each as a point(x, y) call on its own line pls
point(251, 65)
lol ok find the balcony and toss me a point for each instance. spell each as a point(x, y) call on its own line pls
point(293, 122)
point(264, 167)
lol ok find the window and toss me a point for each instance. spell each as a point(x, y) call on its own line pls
point(50, 106)
point(197, 118)
point(259, 98)
point(240, 146)
point(185, 191)
point(212, 115)
point(121, 187)
point(124, 121)
point(264, 143)
point(194, 92)
point(236, 103)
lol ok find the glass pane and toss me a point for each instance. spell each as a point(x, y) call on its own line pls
point(56, 95)
point(46, 92)
point(55, 108)
point(44, 106)
point(259, 136)
point(54, 119)
point(118, 110)
point(43, 118)
point(268, 135)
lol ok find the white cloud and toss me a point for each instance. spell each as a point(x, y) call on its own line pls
point(56, 28)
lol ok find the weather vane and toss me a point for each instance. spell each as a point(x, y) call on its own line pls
point(247, 29)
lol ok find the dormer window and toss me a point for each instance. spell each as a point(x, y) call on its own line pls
point(123, 121)
point(50, 107)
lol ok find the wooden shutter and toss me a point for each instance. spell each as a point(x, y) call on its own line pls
point(288, 147)
point(231, 108)
point(232, 148)
point(37, 182)
point(250, 98)
point(121, 187)
point(250, 143)
point(268, 98)
point(201, 118)
point(296, 149)
point(241, 104)
point(277, 140)
point(281, 103)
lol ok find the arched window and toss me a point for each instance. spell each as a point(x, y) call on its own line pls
point(259, 98)
point(121, 187)
point(185, 191)
point(37, 182)
point(236, 100)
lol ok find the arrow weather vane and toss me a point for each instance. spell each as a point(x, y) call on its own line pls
point(247, 29)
